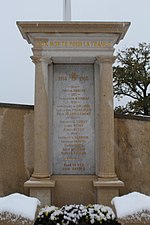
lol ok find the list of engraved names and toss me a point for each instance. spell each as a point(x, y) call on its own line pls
point(73, 119)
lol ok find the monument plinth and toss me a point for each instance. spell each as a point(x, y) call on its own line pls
point(73, 113)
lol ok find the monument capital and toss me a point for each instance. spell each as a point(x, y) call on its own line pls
point(39, 59)
point(105, 59)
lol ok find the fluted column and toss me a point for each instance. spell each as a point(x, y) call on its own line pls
point(41, 131)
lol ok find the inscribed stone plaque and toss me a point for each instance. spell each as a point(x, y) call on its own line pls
point(73, 119)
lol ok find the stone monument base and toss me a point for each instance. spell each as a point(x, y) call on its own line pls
point(107, 189)
point(41, 189)
point(72, 189)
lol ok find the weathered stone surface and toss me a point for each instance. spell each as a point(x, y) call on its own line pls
point(16, 147)
point(132, 144)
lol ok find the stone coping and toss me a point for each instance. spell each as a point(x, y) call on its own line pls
point(16, 106)
point(132, 117)
point(16, 222)
point(133, 222)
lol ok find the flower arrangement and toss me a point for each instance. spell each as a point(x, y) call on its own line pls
point(99, 214)
point(76, 215)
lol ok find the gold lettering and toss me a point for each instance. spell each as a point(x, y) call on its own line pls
point(57, 43)
point(41, 43)
point(80, 44)
point(62, 78)
point(103, 44)
point(74, 76)
point(95, 44)
point(75, 44)
point(88, 44)
point(63, 43)
point(51, 43)
point(98, 44)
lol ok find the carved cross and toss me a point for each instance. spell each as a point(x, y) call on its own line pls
point(66, 10)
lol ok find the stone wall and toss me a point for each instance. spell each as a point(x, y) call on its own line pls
point(132, 149)
point(132, 145)
point(16, 147)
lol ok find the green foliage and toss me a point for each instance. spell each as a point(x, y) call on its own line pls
point(131, 77)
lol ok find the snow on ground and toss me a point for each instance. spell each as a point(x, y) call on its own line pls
point(19, 205)
point(134, 204)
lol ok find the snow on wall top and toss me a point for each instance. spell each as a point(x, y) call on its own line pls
point(19, 205)
point(131, 204)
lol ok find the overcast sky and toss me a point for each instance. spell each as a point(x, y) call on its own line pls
point(16, 68)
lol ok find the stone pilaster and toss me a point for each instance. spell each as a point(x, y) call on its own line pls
point(40, 182)
point(107, 183)
point(106, 118)
point(41, 132)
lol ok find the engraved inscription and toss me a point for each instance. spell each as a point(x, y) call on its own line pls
point(72, 44)
point(73, 119)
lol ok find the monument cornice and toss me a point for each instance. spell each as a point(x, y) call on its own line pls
point(26, 28)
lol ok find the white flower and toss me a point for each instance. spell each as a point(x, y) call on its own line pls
point(52, 217)
point(92, 221)
point(73, 213)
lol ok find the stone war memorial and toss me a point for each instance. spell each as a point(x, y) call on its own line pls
point(74, 158)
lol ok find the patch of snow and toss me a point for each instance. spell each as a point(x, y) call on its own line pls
point(133, 204)
point(19, 205)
